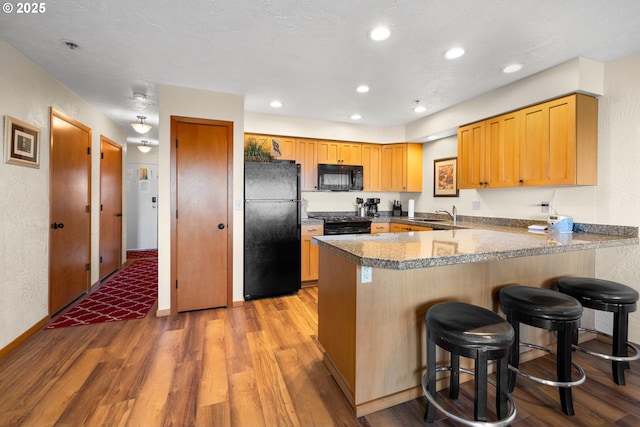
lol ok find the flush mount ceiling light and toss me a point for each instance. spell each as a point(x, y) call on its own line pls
point(379, 33)
point(139, 96)
point(144, 147)
point(362, 89)
point(356, 117)
point(276, 104)
point(140, 126)
point(453, 53)
point(432, 137)
point(419, 108)
point(512, 68)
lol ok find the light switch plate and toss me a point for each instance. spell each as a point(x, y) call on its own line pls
point(238, 205)
point(366, 274)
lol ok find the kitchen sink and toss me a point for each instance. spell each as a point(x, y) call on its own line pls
point(428, 219)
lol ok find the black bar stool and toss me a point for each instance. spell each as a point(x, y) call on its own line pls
point(474, 332)
point(613, 297)
point(546, 309)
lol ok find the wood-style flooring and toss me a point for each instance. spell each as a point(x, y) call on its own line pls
point(257, 365)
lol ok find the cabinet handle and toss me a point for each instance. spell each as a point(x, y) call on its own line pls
point(521, 181)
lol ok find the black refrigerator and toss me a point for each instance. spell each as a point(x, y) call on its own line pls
point(271, 229)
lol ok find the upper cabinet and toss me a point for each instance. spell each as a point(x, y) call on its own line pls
point(307, 157)
point(334, 153)
point(280, 147)
point(559, 142)
point(386, 167)
point(554, 143)
point(372, 165)
point(402, 167)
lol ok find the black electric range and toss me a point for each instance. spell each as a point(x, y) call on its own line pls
point(345, 224)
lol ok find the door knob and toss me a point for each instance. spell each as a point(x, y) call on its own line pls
point(56, 225)
point(221, 226)
point(119, 214)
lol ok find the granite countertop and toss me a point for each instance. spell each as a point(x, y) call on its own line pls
point(470, 241)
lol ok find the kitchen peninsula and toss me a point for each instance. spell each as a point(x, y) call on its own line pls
point(374, 290)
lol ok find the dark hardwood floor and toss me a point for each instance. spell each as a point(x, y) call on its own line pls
point(258, 365)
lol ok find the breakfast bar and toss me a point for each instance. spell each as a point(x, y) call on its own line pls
point(374, 290)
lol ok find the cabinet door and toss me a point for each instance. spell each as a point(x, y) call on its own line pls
point(548, 143)
point(470, 156)
point(394, 166)
point(310, 254)
point(501, 159)
point(306, 156)
point(285, 145)
point(350, 154)
point(328, 152)
point(379, 227)
point(413, 169)
point(371, 164)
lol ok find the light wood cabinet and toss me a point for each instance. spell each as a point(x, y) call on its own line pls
point(402, 167)
point(285, 145)
point(488, 152)
point(334, 153)
point(471, 155)
point(399, 228)
point(372, 165)
point(307, 157)
point(553, 143)
point(379, 227)
point(310, 252)
point(558, 144)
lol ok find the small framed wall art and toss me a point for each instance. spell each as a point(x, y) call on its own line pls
point(21, 143)
point(445, 179)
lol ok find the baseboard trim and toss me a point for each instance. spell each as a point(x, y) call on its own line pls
point(238, 304)
point(163, 313)
point(32, 330)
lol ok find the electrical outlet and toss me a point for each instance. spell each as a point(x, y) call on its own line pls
point(544, 207)
point(366, 274)
point(475, 205)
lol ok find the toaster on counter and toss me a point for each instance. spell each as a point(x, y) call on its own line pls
point(560, 223)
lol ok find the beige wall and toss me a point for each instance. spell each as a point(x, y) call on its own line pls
point(179, 101)
point(27, 94)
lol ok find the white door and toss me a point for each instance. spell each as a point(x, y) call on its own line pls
point(142, 206)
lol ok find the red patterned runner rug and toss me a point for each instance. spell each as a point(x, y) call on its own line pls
point(149, 253)
point(128, 295)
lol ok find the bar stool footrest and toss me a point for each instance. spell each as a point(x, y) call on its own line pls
point(544, 381)
point(472, 423)
point(610, 357)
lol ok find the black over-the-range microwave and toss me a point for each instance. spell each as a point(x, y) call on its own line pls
point(339, 178)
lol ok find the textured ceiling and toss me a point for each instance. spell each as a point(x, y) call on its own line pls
point(311, 54)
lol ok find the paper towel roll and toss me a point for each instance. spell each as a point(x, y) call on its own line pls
point(411, 207)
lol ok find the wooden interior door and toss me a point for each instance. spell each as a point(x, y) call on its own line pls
point(201, 232)
point(69, 210)
point(110, 206)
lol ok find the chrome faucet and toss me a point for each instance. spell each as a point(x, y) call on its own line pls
point(453, 214)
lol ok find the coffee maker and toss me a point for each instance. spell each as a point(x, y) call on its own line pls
point(372, 207)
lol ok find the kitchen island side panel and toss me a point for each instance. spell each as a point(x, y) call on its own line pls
point(389, 340)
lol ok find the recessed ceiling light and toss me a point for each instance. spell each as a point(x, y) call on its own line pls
point(512, 68)
point(276, 104)
point(356, 117)
point(432, 137)
point(362, 89)
point(380, 33)
point(453, 53)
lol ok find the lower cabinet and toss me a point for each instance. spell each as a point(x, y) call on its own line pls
point(310, 252)
point(379, 227)
point(399, 228)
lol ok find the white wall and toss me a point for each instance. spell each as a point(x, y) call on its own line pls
point(179, 101)
point(28, 92)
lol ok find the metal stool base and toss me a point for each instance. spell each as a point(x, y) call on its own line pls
point(544, 381)
point(635, 349)
point(500, 423)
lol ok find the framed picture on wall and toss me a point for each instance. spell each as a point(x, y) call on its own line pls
point(445, 179)
point(22, 143)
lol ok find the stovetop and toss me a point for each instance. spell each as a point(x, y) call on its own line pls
point(341, 219)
